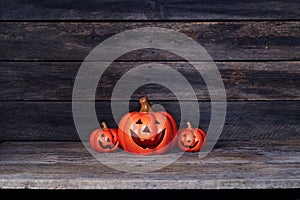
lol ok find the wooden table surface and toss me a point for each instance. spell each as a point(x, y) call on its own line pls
point(230, 165)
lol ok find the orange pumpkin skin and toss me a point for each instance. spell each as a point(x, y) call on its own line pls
point(191, 139)
point(147, 132)
point(104, 139)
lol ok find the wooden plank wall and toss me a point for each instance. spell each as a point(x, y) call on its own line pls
point(255, 45)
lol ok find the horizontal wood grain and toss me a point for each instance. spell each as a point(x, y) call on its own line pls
point(72, 41)
point(242, 81)
point(53, 121)
point(148, 10)
point(230, 165)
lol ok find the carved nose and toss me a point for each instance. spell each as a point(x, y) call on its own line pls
point(189, 141)
point(146, 130)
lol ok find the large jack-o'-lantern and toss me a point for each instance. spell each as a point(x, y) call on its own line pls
point(147, 132)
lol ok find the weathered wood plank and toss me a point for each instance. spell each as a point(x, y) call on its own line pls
point(266, 40)
point(269, 120)
point(222, 10)
point(242, 81)
point(230, 165)
point(148, 10)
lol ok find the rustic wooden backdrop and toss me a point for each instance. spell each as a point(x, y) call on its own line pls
point(255, 44)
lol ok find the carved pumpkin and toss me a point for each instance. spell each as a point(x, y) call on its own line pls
point(147, 132)
point(104, 139)
point(191, 139)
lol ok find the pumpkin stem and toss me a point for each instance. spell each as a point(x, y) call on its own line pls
point(189, 125)
point(104, 125)
point(145, 106)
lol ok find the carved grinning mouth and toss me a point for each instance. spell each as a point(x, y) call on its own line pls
point(148, 143)
point(189, 146)
point(108, 146)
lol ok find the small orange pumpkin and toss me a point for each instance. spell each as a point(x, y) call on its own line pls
point(104, 139)
point(147, 132)
point(191, 139)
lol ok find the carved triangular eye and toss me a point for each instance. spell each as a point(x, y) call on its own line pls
point(157, 122)
point(139, 122)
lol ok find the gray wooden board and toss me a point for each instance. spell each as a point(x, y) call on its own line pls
point(242, 80)
point(252, 164)
point(263, 40)
point(263, 120)
point(148, 10)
